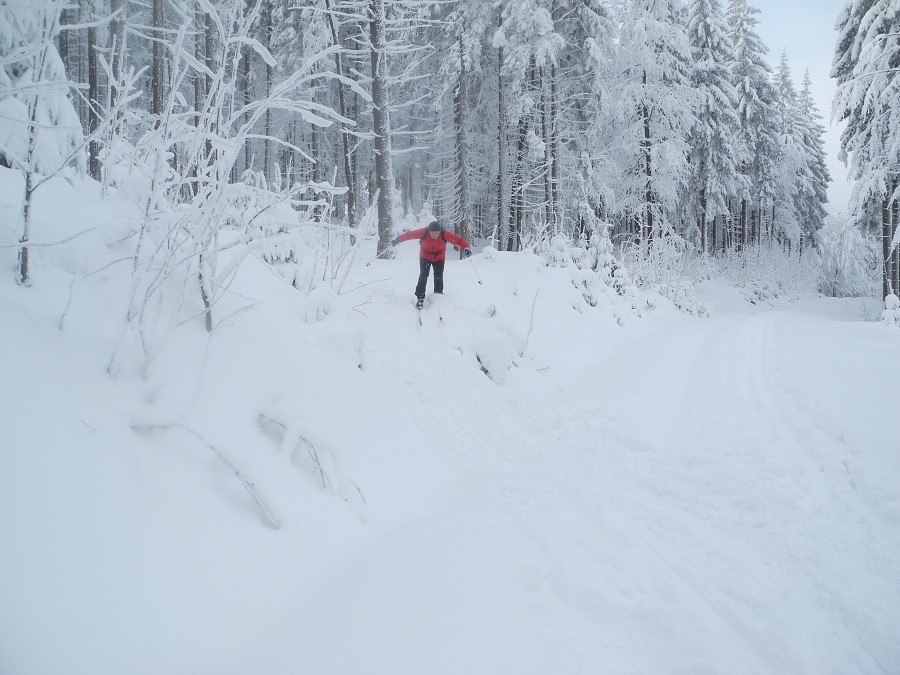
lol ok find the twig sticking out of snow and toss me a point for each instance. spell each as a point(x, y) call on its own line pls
point(530, 323)
point(62, 318)
point(249, 486)
point(323, 460)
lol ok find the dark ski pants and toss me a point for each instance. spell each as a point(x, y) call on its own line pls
point(424, 266)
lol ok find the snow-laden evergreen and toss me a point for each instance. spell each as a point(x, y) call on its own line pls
point(814, 189)
point(850, 259)
point(755, 109)
point(865, 69)
point(655, 68)
point(538, 106)
point(867, 86)
point(716, 150)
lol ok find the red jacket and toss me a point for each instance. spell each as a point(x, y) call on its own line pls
point(434, 249)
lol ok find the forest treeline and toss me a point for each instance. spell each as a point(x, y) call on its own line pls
point(512, 120)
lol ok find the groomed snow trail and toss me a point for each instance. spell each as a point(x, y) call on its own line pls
point(678, 509)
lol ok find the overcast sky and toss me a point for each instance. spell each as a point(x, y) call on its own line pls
point(805, 28)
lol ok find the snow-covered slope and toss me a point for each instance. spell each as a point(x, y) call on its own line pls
point(324, 486)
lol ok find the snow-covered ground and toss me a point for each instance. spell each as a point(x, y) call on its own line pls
point(543, 488)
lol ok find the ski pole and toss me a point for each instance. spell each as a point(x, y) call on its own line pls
point(475, 269)
point(384, 252)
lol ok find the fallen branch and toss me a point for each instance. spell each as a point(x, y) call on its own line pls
point(249, 486)
point(530, 324)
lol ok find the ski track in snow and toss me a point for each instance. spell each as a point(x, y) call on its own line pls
point(736, 507)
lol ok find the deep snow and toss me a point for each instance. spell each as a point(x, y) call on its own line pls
point(608, 494)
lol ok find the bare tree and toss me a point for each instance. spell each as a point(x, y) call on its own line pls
point(381, 123)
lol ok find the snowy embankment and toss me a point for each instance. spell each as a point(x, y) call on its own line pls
point(544, 487)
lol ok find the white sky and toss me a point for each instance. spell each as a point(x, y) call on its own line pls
point(805, 28)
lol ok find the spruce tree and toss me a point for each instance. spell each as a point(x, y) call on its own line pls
point(756, 113)
point(656, 116)
point(814, 193)
point(716, 149)
point(865, 67)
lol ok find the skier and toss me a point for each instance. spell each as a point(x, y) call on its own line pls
point(432, 253)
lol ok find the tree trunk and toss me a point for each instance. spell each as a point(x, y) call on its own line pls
point(501, 230)
point(199, 54)
point(205, 293)
point(751, 225)
point(460, 106)
point(759, 226)
point(704, 244)
point(80, 46)
point(647, 228)
point(517, 206)
point(93, 107)
point(554, 148)
point(885, 249)
point(66, 45)
point(895, 255)
point(268, 28)
point(553, 135)
point(346, 138)
point(381, 126)
point(548, 156)
point(247, 64)
point(771, 227)
point(360, 165)
point(37, 75)
point(711, 224)
point(410, 205)
point(209, 54)
point(315, 152)
point(744, 233)
point(117, 45)
point(24, 278)
point(158, 64)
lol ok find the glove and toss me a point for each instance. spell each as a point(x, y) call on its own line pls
point(395, 241)
point(467, 252)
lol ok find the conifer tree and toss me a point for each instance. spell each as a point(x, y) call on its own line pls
point(792, 162)
point(527, 35)
point(865, 67)
point(466, 28)
point(814, 185)
point(656, 116)
point(716, 149)
point(584, 83)
point(756, 114)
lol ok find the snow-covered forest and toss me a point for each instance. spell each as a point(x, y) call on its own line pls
point(656, 124)
point(647, 429)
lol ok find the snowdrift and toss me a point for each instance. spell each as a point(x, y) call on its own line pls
point(545, 476)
